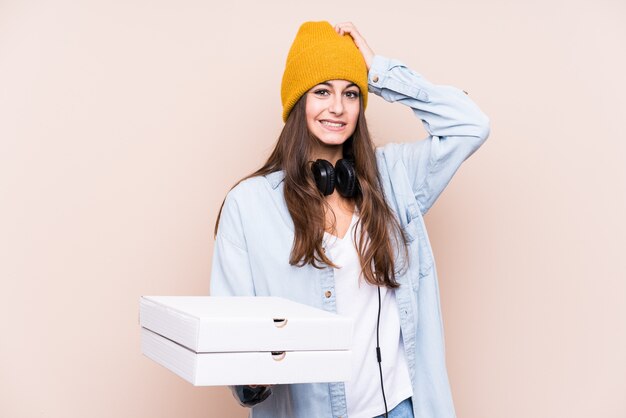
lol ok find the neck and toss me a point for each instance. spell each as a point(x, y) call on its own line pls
point(331, 153)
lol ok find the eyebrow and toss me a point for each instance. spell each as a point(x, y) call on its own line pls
point(326, 83)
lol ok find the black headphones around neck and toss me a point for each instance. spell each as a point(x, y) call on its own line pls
point(342, 176)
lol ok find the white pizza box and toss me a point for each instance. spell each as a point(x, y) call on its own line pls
point(245, 340)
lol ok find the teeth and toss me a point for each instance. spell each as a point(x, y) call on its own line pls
point(332, 124)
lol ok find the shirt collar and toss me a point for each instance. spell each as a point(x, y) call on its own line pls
point(275, 178)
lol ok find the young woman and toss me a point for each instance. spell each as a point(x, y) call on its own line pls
point(335, 223)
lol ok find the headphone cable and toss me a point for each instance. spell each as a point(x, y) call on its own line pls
point(378, 356)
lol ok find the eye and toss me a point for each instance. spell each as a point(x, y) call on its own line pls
point(321, 92)
point(352, 94)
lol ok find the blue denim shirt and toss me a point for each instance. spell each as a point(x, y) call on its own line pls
point(255, 238)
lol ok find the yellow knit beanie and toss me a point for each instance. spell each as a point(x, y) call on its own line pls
point(320, 54)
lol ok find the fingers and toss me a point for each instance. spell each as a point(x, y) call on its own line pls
point(348, 28)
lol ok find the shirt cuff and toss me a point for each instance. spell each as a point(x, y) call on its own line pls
point(392, 80)
point(376, 74)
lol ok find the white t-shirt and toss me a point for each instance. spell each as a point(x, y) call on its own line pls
point(358, 299)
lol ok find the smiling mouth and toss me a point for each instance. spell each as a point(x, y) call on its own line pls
point(332, 125)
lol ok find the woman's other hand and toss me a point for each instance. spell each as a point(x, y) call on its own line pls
point(350, 29)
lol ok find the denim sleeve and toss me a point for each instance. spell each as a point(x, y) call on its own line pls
point(455, 124)
point(231, 275)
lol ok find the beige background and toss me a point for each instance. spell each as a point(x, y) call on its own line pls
point(124, 123)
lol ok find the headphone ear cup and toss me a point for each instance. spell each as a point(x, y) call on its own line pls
point(324, 174)
point(346, 178)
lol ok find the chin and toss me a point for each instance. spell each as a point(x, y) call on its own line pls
point(331, 141)
point(331, 138)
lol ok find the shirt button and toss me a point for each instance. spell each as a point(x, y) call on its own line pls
point(375, 79)
point(328, 293)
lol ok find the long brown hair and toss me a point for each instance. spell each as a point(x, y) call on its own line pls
point(380, 229)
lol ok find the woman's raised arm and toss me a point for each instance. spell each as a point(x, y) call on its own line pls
point(456, 127)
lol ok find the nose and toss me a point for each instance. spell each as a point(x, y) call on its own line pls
point(336, 105)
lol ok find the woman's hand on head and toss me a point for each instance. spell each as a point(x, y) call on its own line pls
point(350, 29)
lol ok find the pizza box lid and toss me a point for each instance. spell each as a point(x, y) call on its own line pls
point(206, 324)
